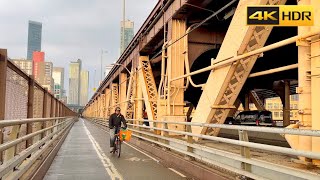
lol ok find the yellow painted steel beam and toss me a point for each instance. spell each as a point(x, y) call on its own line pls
point(114, 96)
point(256, 100)
point(129, 104)
point(224, 84)
point(315, 80)
point(138, 97)
point(107, 103)
point(122, 91)
point(175, 68)
point(149, 88)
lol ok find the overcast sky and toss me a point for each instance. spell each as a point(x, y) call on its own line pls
point(71, 29)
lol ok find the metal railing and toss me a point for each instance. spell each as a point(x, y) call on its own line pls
point(17, 161)
point(22, 97)
point(241, 163)
point(28, 112)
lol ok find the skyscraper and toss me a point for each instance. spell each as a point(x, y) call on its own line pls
point(58, 76)
point(74, 83)
point(34, 38)
point(42, 71)
point(128, 34)
point(84, 87)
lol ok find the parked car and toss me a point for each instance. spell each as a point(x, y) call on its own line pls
point(254, 118)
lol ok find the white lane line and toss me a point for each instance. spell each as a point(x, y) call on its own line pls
point(177, 172)
point(142, 152)
point(156, 160)
point(110, 168)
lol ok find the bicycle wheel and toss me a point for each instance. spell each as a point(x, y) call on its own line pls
point(118, 147)
point(115, 145)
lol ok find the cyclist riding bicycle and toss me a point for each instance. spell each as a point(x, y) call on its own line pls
point(115, 125)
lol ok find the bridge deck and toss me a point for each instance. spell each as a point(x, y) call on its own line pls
point(84, 155)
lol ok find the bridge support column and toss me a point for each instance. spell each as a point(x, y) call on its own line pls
point(315, 80)
point(138, 99)
point(96, 111)
point(175, 68)
point(225, 83)
point(107, 103)
point(100, 107)
point(304, 91)
point(114, 97)
point(129, 104)
point(122, 91)
point(149, 88)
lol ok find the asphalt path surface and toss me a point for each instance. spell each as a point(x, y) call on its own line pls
point(85, 155)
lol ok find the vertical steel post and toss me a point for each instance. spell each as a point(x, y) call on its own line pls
point(56, 108)
point(244, 151)
point(286, 106)
point(3, 81)
point(44, 112)
point(246, 102)
point(139, 102)
point(52, 111)
point(30, 108)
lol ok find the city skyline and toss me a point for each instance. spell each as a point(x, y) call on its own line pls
point(86, 30)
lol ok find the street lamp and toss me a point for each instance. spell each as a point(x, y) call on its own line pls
point(102, 51)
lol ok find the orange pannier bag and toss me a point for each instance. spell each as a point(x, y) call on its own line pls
point(125, 134)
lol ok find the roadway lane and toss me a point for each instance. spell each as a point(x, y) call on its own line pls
point(85, 155)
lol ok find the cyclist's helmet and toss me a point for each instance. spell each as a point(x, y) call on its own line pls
point(118, 109)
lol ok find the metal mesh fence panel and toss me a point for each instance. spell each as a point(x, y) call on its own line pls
point(37, 111)
point(16, 103)
point(16, 96)
point(37, 103)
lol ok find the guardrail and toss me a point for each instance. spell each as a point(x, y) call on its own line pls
point(241, 163)
point(21, 161)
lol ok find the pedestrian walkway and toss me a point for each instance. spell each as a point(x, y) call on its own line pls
point(77, 158)
point(84, 155)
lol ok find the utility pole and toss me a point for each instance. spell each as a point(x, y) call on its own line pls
point(102, 51)
point(94, 81)
point(101, 63)
point(123, 24)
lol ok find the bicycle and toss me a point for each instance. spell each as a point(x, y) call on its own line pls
point(117, 145)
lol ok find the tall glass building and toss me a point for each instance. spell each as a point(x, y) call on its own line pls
point(74, 82)
point(34, 38)
point(84, 87)
point(128, 34)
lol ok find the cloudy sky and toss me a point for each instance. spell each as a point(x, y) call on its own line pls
point(71, 29)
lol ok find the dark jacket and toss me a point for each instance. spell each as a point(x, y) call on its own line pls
point(115, 121)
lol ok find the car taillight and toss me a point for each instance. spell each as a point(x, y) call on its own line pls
point(257, 122)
